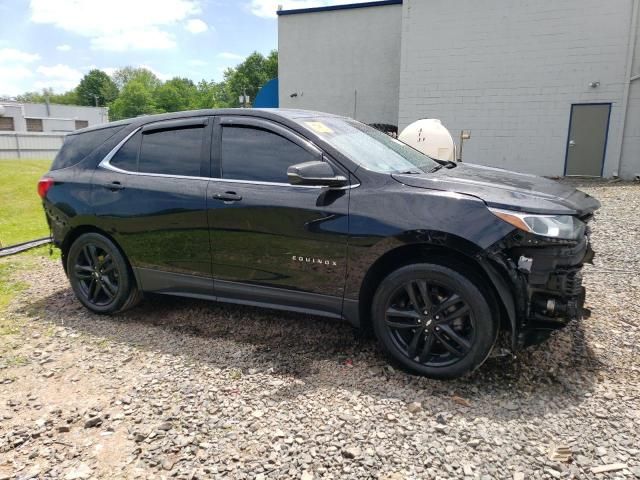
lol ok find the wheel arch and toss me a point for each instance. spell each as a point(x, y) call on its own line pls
point(79, 230)
point(467, 264)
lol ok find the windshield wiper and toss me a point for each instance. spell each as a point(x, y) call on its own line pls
point(443, 163)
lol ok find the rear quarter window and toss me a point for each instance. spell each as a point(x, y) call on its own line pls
point(76, 147)
point(127, 157)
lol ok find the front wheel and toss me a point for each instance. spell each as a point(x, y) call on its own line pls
point(99, 275)
point(433, 320)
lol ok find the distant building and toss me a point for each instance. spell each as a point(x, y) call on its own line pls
point(43, 117)
point(37, 130)
point(545, 87)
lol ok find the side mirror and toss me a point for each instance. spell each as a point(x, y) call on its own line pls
point(315, 173)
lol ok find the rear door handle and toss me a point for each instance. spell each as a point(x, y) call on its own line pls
point(227, 197)
point(113, 186)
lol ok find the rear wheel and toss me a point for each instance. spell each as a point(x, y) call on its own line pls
point(100, 276)
point(434, 321)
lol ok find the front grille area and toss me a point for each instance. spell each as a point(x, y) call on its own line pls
point(567, 283)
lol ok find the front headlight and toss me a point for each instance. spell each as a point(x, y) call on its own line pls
point(565, 227)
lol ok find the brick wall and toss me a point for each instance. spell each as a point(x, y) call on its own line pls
point(630, 165)
point(509, 71)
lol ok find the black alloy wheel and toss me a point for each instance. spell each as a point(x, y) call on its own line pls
point(430, 323)
point(99, 275)
point(433, 320)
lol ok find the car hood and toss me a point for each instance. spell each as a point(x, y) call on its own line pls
point(505, 189)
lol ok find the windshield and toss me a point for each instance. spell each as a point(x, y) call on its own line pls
point(368, 147)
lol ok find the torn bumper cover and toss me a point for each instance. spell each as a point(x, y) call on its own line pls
point(546, 281)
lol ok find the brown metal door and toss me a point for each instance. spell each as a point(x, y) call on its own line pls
point(587, 140)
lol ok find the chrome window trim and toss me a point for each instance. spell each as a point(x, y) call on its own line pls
point(257, 182)
point(278, 184)
point(105, 164)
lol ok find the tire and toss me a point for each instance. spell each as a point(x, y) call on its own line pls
point(100, 275)
point(434, 321)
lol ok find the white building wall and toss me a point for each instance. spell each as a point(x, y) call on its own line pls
point(94, 115)
point(326, 57)
point(509, 71)
point(630, 164)
point(17, 112)
point(30, 145)
point(55, 125)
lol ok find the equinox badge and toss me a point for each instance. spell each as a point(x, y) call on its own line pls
point(321, 261)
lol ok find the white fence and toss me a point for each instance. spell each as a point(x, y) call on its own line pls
point(16, 145)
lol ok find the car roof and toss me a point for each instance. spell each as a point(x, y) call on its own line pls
point(269, 113)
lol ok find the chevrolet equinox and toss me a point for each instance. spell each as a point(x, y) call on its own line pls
point(319, 214)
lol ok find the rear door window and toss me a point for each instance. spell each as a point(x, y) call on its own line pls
point(172, 152)
point(76, 147)
point(255, 154)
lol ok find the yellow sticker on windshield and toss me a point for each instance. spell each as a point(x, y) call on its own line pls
point(318, 127)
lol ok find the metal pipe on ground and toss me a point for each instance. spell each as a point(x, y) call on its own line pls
point(21, 247)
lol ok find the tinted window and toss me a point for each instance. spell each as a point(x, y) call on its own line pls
point(76, 147)
point(172, 152)
point(259, 155)
point(127, 157)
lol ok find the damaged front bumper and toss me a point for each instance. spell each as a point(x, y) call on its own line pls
point(545, 279)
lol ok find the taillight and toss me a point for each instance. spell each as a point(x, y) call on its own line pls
point(44, 184)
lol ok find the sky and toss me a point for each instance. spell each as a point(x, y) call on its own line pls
point(53, 43)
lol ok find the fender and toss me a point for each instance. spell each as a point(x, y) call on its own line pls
point(437, 241)
point(361, 252)
point(506, 297)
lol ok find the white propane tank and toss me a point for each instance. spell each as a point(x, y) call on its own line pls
point(431, 138)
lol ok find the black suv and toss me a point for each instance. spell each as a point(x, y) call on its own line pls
point(319, 214)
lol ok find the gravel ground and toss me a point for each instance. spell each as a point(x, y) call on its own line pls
point(186, 389)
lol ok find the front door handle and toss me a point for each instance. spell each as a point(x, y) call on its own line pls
point(227, 197)
point(113, 186)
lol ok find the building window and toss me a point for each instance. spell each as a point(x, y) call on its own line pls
point(6, 124)
point(81, 124)
point(34, 125)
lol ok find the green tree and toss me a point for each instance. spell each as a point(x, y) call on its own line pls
point(249, 76)
point(67, 98)
point(135, 91)
point(135, 99)
point(31, 97)
point(271, 65)
point(175, 95)
point(96, 89)
point(124, 75)
point(210, 95)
